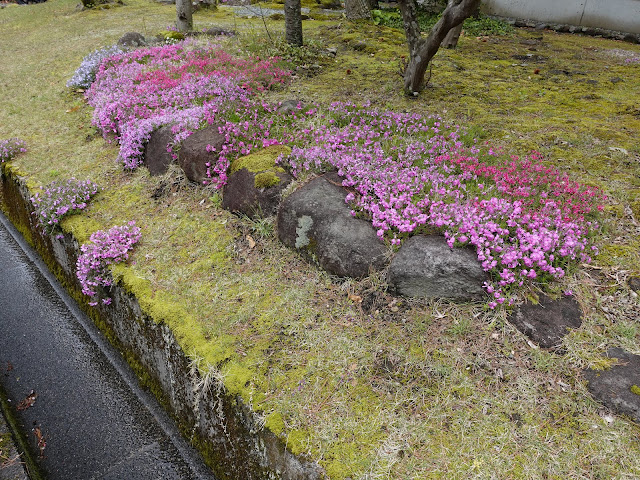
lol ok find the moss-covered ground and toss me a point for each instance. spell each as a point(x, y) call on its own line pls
point(369, 385)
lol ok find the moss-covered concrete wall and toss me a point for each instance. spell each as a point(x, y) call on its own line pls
point(233, 441)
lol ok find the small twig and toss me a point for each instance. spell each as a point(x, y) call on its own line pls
point(265, 24)
point(321, 405)
point(430, 72)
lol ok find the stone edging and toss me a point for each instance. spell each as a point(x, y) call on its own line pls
point(566, 28)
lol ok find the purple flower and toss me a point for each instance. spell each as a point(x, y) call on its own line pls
point(58, 200)
point(10, 148)
point(105, 248)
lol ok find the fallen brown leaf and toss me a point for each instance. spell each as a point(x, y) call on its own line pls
point(42, 443)
point(355, 298)
point(28, 401)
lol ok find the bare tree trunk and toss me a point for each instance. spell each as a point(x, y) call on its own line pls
point(293, 22)
point(357, 9)
point(422, 50)
point(451, 40)
point(184, 21)
point(374, 4)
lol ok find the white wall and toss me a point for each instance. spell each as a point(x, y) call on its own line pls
point(620, 15)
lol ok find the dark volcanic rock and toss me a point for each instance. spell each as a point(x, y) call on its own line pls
point(316, 221)
point(530, 57)
point(426, 267)
point(218, 31)
point(619, 387)
point(290, 106)
point(256, 183)
point(194, 157)
point(549, 321)
point(241, 195)
point(156, 157)
point(132, 39)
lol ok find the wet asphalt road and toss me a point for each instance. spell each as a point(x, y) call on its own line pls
point(96, 421)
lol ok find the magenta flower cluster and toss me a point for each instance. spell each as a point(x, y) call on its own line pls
point(105, 248)
point(252, 125)
point(413, 174)
point(182, 85)
point(58, 200)
point(10, 148)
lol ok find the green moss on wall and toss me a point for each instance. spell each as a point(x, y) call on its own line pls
point(298, 441)
point(80, 227)
point(275, 423)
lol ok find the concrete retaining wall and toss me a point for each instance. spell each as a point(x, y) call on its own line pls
point(618, 15)
point(232, 439)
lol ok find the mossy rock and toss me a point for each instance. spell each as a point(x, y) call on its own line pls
point(256, 183)
point(330, 4)
point(617, 387)
point(101, 4)
point(261, 161)
point(317, 222)
point(170, 35)
point(266, 180)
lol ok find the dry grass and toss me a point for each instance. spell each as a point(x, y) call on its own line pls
point(386, 388)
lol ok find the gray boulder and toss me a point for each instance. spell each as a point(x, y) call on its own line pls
point(156, 157)
point(426, 267)
point(290, 106)
point(316, 221)
point(217, 31)
point(547, 322)
point(618, 387)
point(194, 156)
point(132, 39)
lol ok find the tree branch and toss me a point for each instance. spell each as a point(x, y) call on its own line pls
point(422, 51)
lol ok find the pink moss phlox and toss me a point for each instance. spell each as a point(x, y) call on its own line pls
point(58, 200)
point(411, 173)
point(180, 85)
point(105, 248)
point(10, 148)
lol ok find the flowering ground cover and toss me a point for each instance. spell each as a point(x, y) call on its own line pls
point(105, 248)
point(411, 172)
point(57, 200)
point(181, 85)
point(85, 74)
point(370, 386)
point(10, 148)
